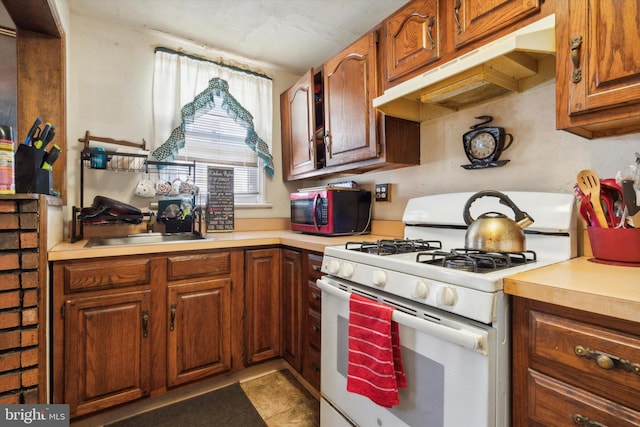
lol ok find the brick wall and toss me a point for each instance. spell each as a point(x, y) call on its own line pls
point(19, 302)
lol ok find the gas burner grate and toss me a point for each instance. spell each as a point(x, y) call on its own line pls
point(394, 246)
point(476, 261)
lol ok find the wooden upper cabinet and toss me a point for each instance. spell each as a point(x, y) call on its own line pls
point(350, 84)
point(298, 127)
point(598, 67)
point(475, 19)
point(412, 38)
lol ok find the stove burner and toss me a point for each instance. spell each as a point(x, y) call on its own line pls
point(476, 261)
point(394, 246)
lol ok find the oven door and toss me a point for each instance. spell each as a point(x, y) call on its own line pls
point(448, 361)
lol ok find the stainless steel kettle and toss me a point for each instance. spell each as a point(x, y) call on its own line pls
point(494, 231)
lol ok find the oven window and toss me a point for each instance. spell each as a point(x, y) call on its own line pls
point(425, 378)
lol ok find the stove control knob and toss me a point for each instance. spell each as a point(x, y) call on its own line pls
point(421, 290)
point(347, 270)
point(447, 296)
point(379, 278)
point(334, 267)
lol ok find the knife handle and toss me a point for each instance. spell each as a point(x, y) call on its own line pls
point(50, 157)
point(32, 131)
point(43, 136)
point(49, 137)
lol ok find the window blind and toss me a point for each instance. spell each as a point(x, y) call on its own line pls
point(215, 139)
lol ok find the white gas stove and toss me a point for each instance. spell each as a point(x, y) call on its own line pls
point(453, 316)
point(430, 265)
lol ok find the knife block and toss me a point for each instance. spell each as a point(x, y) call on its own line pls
point(30, 177)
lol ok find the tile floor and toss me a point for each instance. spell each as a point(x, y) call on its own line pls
point(275, 391)
point(282, 401)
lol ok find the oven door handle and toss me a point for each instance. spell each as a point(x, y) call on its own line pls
point(466, 338)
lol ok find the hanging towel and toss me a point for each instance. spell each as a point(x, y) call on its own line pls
point(374, 367)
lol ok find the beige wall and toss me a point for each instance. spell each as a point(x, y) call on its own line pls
point(541, 157)
point(109, 93)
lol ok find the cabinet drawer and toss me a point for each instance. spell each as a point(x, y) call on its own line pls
point(314, 297)
point(97, 275)
point(602, 360)
point(314, 266)
point(311, 371)
point(314, 328)
point(199, 265)
point(554, 403)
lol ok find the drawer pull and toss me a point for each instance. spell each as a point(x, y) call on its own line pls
point(315, 328)
point(316, 296)
point(317, 267)
point(607, 361)
point(315, 367)
point(581, 420)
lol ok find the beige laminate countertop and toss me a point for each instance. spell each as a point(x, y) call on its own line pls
point(584, 284)
point(237, 239)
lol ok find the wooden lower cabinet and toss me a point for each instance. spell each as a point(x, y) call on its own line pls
point(573, 368)
point(292, 309)
point(107, 350)
point(263, 304)
point(132, 326)
point(199, 332)
point(301, 300)
point(313, 321)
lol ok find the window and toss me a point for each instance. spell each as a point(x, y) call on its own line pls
point(214, 139)
point(216, 115)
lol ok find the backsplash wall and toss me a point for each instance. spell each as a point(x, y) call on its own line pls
point(541, 157)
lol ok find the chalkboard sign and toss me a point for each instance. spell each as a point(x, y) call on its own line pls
point(220, 210)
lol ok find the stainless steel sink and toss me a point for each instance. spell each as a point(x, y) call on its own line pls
point(145, 239)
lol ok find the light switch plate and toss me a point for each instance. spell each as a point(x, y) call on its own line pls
point(383, 192)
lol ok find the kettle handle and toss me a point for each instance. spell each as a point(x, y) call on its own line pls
point(504, 199)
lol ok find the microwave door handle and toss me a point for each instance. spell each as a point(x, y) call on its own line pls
point(315, 207)
point(463, 337)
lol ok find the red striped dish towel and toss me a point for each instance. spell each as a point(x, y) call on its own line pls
point(374, 366)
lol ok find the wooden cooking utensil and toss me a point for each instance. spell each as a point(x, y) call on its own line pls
point(589, 183)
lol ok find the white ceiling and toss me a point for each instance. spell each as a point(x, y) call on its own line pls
point(292, 35)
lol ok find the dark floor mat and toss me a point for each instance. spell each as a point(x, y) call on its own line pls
point(228, 407)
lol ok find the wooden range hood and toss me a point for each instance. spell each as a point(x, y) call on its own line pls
point(513, 63)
